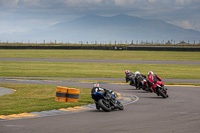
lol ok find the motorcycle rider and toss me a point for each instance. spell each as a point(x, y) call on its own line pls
point(152, 81)
point(138, 79)
point(130, 76)
point(97, 88)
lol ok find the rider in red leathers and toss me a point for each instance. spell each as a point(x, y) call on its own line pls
point(152, 81)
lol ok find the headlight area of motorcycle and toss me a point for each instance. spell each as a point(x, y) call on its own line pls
point(108, 96)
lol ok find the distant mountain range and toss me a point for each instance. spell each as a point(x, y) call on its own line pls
point(117, 28)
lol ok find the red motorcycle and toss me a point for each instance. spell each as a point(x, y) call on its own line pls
point(160, 89)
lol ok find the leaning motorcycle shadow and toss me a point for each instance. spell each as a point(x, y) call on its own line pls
point(95, 111)
point(137, 90)
point(156, 97)
point(101, 111)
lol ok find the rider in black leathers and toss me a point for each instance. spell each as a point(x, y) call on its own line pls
point(130, 77)
point(138, 79)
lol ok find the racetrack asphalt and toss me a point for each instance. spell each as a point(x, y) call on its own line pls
point(180, 113)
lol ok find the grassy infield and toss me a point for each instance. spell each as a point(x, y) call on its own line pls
point(29, 98)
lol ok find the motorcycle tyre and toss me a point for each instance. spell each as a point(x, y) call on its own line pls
point(120, 106)
point(103, 106)
point(163, 94)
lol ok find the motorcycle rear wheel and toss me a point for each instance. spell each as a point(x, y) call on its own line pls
point(104, 105)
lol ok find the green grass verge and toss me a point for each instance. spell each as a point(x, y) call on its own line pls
point(30, 98)
point(102, 54)
point(98, 70)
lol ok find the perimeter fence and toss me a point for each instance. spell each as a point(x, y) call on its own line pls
point(100, 43)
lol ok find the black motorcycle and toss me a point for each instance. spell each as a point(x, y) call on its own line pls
point(144, 85)
point(106, 101)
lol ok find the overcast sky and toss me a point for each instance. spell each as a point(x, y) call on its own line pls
point(24, 15)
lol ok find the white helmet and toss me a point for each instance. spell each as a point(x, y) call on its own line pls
point(96, 85)
point(137, 72)
point(150, 73)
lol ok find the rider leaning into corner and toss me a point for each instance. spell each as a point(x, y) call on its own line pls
point(97, 88)
point(152, 80)
point(130, 77)
point(138, 78)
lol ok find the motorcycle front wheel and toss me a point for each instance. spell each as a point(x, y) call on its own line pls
point(105, 105)
point(163, 92)
point(120, 106)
